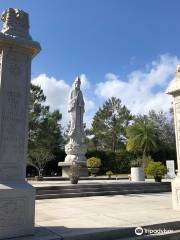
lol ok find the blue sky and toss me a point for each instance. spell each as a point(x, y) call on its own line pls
point(116, 44)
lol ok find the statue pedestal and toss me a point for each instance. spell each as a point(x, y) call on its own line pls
point(176, 193)
point(66, 169)
point(17, 207)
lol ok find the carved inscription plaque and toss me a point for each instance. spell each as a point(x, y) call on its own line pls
point(10, 172)
point(12, 212)
point(13, 112)
point(177, 114)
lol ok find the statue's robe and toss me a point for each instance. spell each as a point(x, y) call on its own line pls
point(76, 110)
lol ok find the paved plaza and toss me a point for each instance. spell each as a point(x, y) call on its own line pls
point(76, 216)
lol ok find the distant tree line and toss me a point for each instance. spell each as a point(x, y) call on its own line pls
point(117, 136)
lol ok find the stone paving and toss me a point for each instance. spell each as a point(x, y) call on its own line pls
point(72, 216)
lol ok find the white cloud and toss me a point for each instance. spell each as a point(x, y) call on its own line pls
point(57, 93)
point(85, 84)
point(90, 105)
point(143, 90)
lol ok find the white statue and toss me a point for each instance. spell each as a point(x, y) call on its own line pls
point(76, 110)
point(76, 148)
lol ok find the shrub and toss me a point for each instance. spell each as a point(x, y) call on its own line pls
point(156, 169)
point(118, 162)
point(137, 162)
point(93, 162)
point(109, 173)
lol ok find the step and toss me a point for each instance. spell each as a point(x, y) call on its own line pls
point(85, 185)
point(101, 193)
point(98, 189)
point(81, 178)
point(124, 233)
point(127, 233)
point(170, 236)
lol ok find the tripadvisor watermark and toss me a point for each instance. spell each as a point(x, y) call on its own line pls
point(140, 231)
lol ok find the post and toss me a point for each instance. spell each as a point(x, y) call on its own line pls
point(174, 90)
point(17, 197)
point(171, 169)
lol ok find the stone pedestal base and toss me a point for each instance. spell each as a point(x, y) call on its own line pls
point(17, 208)
point(176, 193)
point(66, 169)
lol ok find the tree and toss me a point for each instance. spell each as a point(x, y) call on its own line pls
point(37, 111)
point(165, 127)
point(45, 135)
point(166, 135)
point(109, 124)
point(39, 157)
point(142, 136)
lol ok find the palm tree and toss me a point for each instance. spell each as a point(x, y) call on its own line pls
point(142, 136)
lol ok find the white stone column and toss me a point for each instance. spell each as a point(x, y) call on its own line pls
point(174, 90)
point(17, 197)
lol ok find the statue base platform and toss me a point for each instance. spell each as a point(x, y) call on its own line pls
point(66, 169)
point(17, 208)
point(176, 193)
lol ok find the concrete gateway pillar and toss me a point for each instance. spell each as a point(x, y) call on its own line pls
point(17, 197)
point(174, 90)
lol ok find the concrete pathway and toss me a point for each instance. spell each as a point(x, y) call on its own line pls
point(74, 216)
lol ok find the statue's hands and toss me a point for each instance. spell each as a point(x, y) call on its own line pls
point(71, 132)
point(72, 105)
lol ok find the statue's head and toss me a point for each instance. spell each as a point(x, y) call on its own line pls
point(77, 83)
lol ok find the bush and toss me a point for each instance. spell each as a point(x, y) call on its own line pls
point(93, 162)
point(118, 162)
point(109, 173)
point(137, 162)
point(156, 169)
point(165, 153)
point(122, 162)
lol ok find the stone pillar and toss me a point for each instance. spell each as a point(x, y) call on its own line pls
point(174, 90)
point(17, 197)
